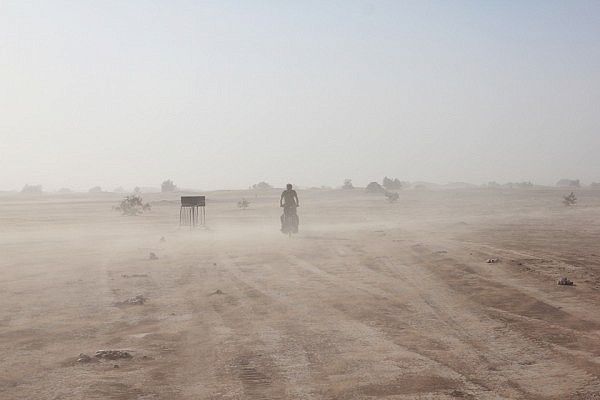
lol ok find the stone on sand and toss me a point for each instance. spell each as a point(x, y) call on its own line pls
point(112, 354)
point(84, 358)
point(565, 281)
point(139, 299)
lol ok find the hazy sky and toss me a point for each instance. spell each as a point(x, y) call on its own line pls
point(228, 93)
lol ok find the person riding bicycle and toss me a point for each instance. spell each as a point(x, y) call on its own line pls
point(289, 202)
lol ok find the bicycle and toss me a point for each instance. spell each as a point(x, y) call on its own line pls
point(289, 221)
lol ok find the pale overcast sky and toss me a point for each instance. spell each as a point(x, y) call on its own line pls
point(225, 94)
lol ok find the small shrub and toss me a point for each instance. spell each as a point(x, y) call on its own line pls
point(132, 205)
point(392, 197)
point(243, 204)
point(570, 200)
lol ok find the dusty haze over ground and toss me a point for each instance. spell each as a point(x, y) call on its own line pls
point(370, 300)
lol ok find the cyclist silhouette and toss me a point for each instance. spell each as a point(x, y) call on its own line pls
point(289, 202)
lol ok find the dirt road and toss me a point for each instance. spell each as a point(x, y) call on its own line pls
point(371, 300)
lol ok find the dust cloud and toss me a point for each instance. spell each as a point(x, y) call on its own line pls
point(371, 299)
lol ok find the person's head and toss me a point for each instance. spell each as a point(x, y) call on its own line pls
point(289, 186)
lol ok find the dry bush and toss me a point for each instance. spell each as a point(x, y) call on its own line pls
point(392, 197)
point(570, 200)
point(132, 205)
point(243, 204)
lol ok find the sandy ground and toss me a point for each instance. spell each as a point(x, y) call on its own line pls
point(370, 300)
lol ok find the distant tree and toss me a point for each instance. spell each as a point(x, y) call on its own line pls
point(132, 205)
point(374, 187)
point(65, 190)
point(137, 190)
point(570, 200)
point(243, 204)
point(168, 186)
point(347, 184)
point(262, 186)
point(32, 189)
point(392, 184)
point(568, 183)
point(119, 189)
point(95, 189)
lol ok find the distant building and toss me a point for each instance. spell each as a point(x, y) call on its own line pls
point(570, 183)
